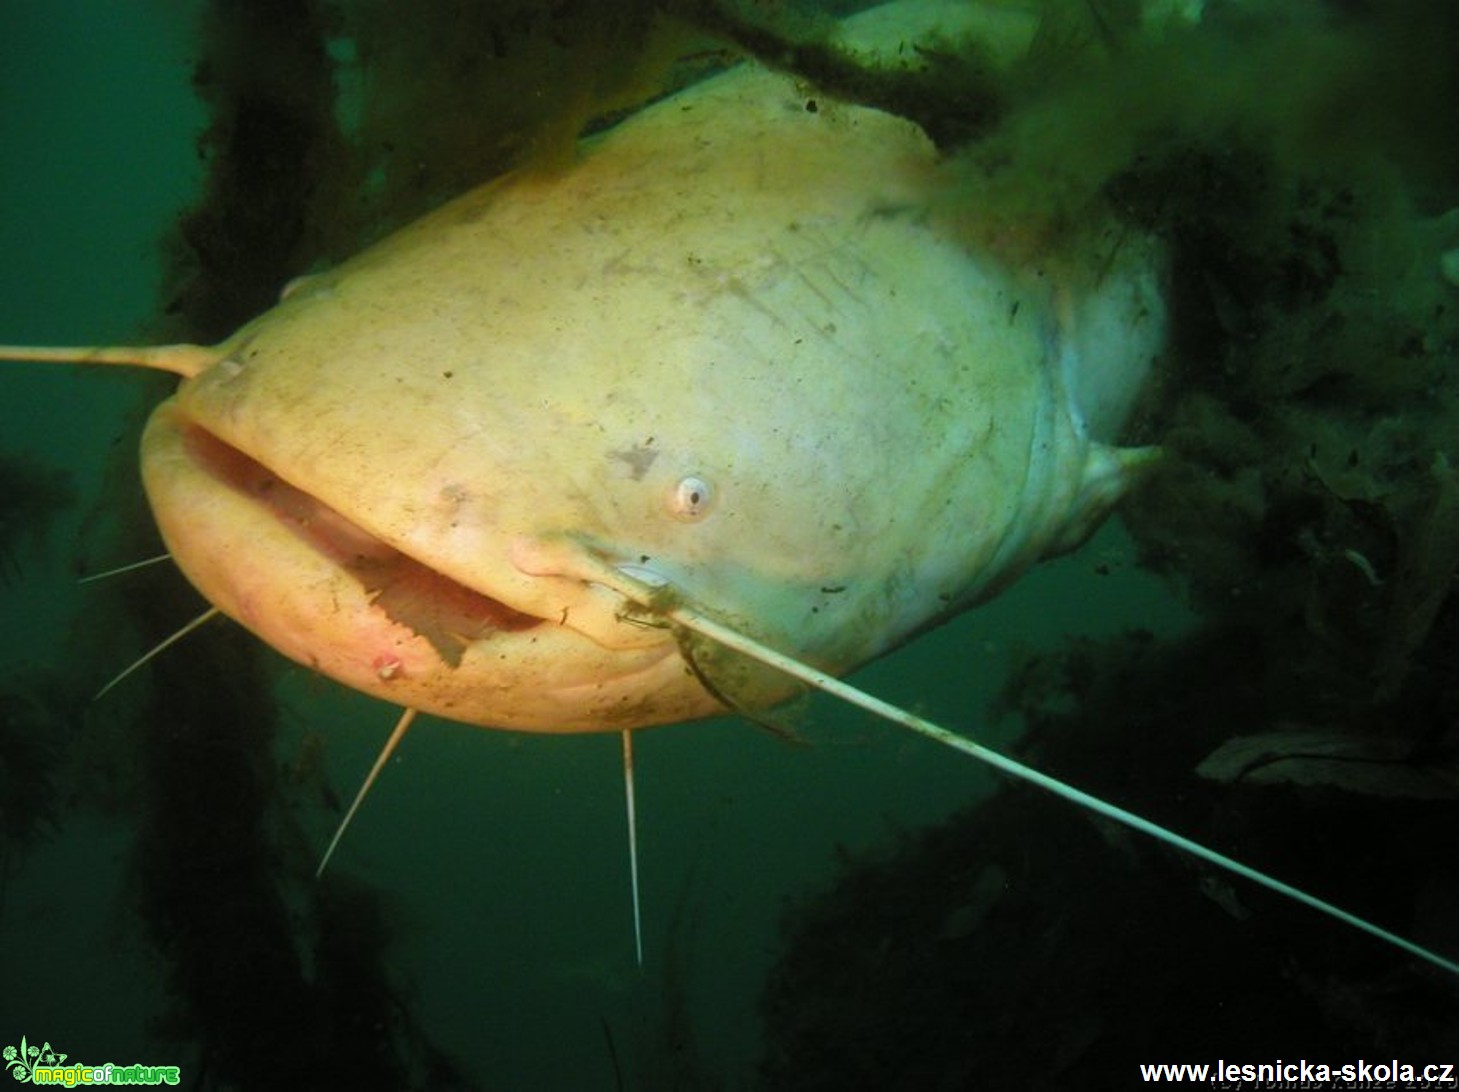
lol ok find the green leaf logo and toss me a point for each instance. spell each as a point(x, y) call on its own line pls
point(22, 1060)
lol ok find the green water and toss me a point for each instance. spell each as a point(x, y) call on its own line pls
point(497, 861)
point(500, 859)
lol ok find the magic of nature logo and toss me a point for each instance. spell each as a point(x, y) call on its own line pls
point(31, 1064)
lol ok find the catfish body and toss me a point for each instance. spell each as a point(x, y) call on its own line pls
point(732, 348)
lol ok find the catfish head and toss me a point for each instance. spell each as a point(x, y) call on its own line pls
point(733, 352)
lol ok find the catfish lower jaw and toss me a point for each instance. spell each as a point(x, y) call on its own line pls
point(319, 589)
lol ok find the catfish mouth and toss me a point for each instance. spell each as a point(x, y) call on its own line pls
point(447, 614)
point(329, 594)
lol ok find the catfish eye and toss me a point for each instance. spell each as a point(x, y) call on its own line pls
point(691, 499)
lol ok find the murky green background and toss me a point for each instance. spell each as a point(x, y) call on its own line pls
point(499, 860)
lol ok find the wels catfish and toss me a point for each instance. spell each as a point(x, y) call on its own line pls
point(735, 371)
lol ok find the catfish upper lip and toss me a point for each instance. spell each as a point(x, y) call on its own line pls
point(443, 611)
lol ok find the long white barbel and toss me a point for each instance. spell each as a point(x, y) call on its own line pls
point(407, 716)
point(181, 359)
point(629, 794)
point(660, 599)
point(159, 647)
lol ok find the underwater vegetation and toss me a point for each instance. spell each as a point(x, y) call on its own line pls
point(30, 495)
point(1017, 944)
point(30, 775)
point(1307, 505)
point(1308, 508)
point(1020, 945)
